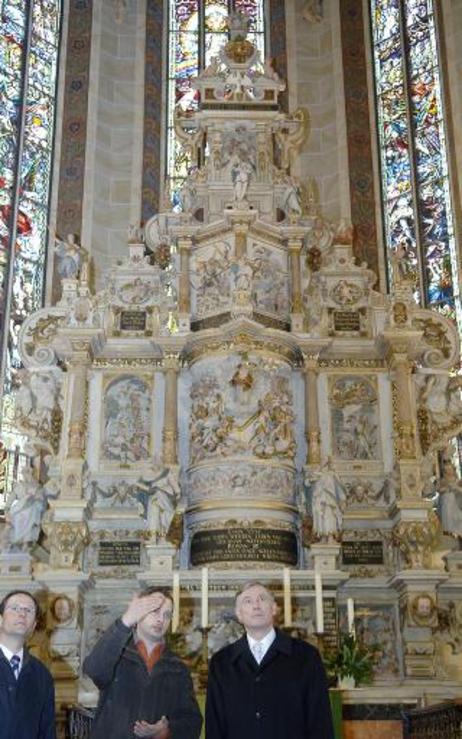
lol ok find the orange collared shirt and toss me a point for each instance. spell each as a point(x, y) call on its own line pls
point(150, 659)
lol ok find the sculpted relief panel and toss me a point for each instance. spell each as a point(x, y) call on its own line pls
point(218, 274)
point(242, 405)
point(126, 433)
point(355, 418)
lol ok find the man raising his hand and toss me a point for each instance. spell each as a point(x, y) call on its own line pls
point(145, 689)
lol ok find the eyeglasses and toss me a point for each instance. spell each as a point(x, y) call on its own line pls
point(17, 609)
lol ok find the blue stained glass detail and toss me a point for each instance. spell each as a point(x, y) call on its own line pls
point(416, 201)
point(26, 117)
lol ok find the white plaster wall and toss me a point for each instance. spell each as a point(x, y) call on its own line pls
point(316, 83)
point(113, 163)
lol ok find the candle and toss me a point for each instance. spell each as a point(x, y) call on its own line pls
point(351, 616)
point(205, 598)
point(176, 602)
point(319, 607)
point(287, 598)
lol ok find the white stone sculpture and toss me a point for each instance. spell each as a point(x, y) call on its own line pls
point(241, 172)
point(441, 395)
point(291, 202)
point(25, 512)
point(160, 496)
point(135, 234)
point(71, 257)
point(188, 196)
point(327, 501)
point(36, 400)
point(450, 500)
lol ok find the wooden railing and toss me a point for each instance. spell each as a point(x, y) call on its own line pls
point(79, 722)
point(441, 721)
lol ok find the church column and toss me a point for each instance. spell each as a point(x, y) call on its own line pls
point(294, 240)
point(184, 298)
point(76, 441)
point(170, 431)
point(406, 428)
point(295, 247)
point(400, 348)
point(312, 430)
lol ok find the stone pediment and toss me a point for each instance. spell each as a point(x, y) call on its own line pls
point(242, 335)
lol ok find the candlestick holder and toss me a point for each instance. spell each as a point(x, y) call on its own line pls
point(203, 665)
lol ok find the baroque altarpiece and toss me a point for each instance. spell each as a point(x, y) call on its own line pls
point(239, 397)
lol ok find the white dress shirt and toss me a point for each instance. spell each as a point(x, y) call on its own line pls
point(264, 643)
point(8, 655)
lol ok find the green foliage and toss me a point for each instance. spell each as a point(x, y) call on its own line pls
point(352, 658)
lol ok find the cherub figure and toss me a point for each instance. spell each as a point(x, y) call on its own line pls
point(71, 257)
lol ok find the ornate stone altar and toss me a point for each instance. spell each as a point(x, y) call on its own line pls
point(238, 397)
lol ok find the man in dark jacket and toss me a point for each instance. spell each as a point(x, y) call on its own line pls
point(266, 685)
point(27, 699)
point(145, 690)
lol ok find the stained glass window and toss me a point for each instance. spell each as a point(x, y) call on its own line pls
point(29, 40)
point(197, 31)
point(415, 179)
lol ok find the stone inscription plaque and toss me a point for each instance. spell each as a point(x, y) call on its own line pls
point(244, 545)
point(362, 553)
point(132, 320)
point(119, 553)
point(330, 638)
point(346, 320)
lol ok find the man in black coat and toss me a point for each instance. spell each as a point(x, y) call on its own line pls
point(266, 685)
point(145, 689)
point(27, 698)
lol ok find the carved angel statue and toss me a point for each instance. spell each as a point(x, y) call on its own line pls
point(188, 195)
point(328, 500)
point(25, 512)
point(159, 496)
point(241, 172)
point(313, 11)
point(135, 234)
point(291, 201)
point(404, 273)
point(36, 399)
point(71, 257)
point(290, 133)
point(441, 395)
point(449, 505)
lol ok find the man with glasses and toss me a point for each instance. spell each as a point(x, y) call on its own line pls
point(145, 689)
point(27, 700)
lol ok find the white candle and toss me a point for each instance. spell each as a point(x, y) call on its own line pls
point(205, 598)
point(176, 602)
point(351, 615)
point(287, 598)
point(319, 608)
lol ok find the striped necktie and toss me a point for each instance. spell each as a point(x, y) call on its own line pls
point(15, 661)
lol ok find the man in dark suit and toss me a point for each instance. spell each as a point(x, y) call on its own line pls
point(266, 685)
point(27, 698)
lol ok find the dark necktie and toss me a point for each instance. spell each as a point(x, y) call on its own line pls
point(15, 661)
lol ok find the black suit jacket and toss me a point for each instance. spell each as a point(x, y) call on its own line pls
point(285, 697)
point(27, 705)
